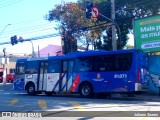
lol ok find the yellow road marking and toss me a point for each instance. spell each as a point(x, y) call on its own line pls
point(42, 103)
point(77, 106)
point(13, 102)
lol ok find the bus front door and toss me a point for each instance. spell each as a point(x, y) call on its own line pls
point(66, 76)
point(42, 76)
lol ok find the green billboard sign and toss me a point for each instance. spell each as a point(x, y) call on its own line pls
point(147, 34)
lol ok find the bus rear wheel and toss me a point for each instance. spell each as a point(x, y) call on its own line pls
point(86, 90)
point(31, 89)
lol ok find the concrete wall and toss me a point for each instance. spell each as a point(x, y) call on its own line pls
point(11, 65)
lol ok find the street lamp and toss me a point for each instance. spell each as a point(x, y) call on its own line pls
point(5, 28)
point(4, 51)
point(21, 40)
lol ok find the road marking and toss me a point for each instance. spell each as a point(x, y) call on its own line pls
point(116, 107)
point(77, 106)
point(42, 104)
point(13, 102)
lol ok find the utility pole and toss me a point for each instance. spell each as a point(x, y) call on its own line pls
point(33, 55)
point(4, 66)
point(114, 41)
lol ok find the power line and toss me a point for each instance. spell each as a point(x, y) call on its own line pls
point(6, 2)
point(34, 29)
point(10, 3)
point(35, 38)
point(26, 21)
point(30, 29)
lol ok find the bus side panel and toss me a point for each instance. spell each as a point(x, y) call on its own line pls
point(104, 82)
point(18, 83)
point(66, 81)
point(70, 81)
point(97, 80)
point(53, 82)
point(31, 78)
point(107, 82)
point(41, 82)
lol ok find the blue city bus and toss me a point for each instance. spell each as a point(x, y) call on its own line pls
point(87, 73)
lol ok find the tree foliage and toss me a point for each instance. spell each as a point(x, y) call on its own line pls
point(72, 19)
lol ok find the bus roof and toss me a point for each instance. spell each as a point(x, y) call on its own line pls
point(90, 53)
point(22, 60)
point(78, 54)
point(37, 59)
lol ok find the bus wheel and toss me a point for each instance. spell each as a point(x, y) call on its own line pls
point(31, 89)
point(48, 93)
point(86, 90)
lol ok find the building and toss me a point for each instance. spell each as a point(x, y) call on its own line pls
point(50, 50)
point(10, 68)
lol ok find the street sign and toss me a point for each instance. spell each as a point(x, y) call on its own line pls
point(95, 12)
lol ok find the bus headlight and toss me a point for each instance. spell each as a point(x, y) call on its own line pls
point(29, 76)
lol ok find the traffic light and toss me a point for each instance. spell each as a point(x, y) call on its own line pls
point(89, 6)
point(14, 40)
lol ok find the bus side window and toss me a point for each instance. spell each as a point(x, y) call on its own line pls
point(20, 69)
point(124, 62)
point(53, 67)
point(64, 66)
point(32, 67)
point(84, 64)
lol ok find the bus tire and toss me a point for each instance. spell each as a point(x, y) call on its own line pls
point(86, 90)
point(48, 93)
point(31, 89)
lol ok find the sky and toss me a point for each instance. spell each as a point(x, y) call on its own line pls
point(25, 18)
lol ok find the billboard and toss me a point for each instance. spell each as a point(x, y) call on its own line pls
point(147, 34)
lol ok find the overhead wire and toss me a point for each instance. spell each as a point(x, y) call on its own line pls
point(28, 28)
point(32, 29)
point(3, 2)
point(35, 38)
point(10, 3)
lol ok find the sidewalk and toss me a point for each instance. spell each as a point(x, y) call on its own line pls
point(145, 97)
point(6, 87)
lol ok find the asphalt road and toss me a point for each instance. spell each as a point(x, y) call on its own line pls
point(74, 106)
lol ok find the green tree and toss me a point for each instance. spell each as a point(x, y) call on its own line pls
point(76, 26)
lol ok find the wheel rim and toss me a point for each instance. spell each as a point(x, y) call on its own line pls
point(85, 90)
point(30, 89)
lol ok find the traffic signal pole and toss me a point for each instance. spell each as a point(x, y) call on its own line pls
point(114, 41)
point(89, 6)
point(119, 30)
